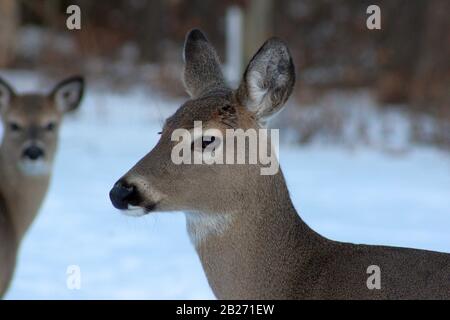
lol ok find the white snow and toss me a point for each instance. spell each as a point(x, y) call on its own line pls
point(362, 196)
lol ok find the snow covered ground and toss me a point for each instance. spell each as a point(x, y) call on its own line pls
point(361, 196)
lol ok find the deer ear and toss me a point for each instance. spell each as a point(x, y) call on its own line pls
point(6, 95)
point(268, 80)
point(67, 94)
point(202, 70)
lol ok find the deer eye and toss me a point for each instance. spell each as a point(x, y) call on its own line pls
point(50, 126)
point(205, 143)
point(14, 126)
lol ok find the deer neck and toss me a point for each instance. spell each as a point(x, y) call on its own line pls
point(250, 252)
point(22, 194)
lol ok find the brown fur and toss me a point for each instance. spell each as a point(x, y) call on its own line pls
point(250, 240)
point(21, 194)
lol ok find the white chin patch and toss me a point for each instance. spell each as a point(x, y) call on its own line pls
point(34, 167)
point(134, 211)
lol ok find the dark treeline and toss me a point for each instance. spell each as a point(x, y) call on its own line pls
point(406, 62)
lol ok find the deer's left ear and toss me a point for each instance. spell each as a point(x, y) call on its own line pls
point(67, 94)
point(268, 80)
point(6, 95)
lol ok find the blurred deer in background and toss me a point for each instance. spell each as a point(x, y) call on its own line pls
point(246, 231)
point(30, 134)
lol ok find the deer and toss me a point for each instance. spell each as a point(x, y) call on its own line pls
point(31, 123)
point(250, 240)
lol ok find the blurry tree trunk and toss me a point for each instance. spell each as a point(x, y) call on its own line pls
point(9, 20)
point(432, 72)
point(234, 49)
point(400, 49)
point(51, 13)
point(430, 87)
point(258, 25)
point(150, 31)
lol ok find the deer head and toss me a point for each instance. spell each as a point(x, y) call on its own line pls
point(31, 124)
point(155, 183)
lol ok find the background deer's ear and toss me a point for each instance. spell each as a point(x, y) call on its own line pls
point(268, 80)
point(68, 93)
point(6, 95)
point(202, 70)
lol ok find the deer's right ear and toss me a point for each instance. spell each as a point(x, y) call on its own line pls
point(6, 95)
point(268, 80)
point(202, 70)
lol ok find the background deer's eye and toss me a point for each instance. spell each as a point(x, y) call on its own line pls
point(14, 126)
point(50, 126)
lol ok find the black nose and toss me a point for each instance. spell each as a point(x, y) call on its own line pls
point(122, 195)
point(33, 153)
